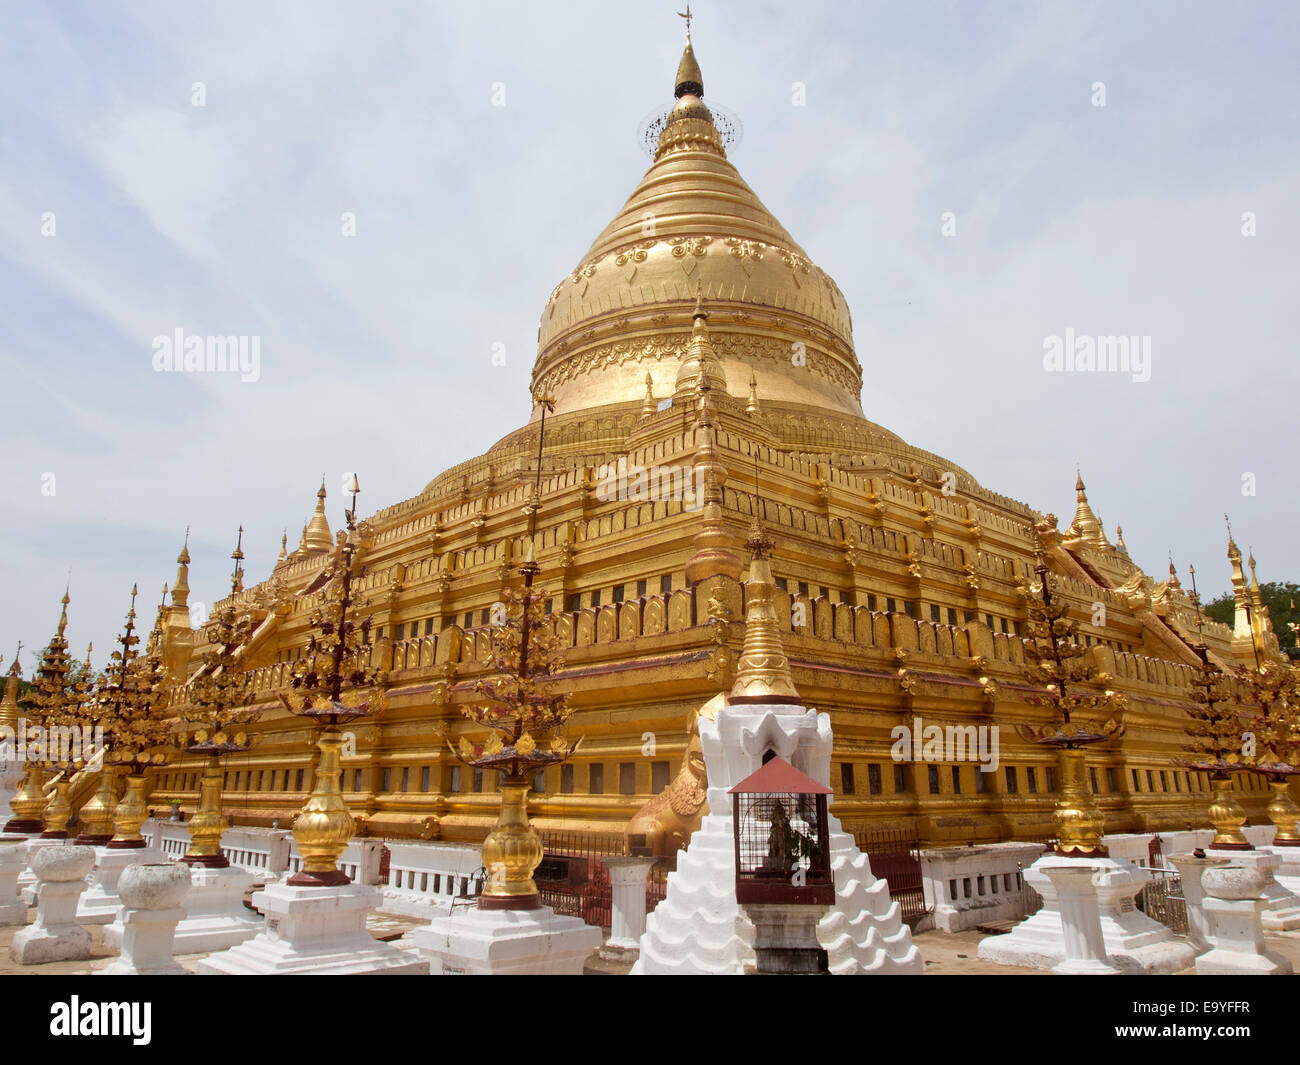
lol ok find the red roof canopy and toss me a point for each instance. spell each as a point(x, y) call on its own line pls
point(779, 777)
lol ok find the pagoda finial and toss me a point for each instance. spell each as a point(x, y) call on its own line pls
point(317, 536)
point(181, 587)
point(284, 547)
point(689, 81)
point(700, 369)
point(648, 405)
point(752, 406)
point(763, 671)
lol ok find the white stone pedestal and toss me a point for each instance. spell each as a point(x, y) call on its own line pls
point(1288, 873)
point(1235, 906)
point(215, 915)
point(785, 938)
point(627, 878)
point(1281, 907)
point(13, 860)
point(27, 878)
point(699, 929)
point(515, 942)
point(1190, 869)
point(1076, 898)
point(100, 903)
point(56, 936)
point(151, 896)
point(315, 930)
point(1134, 942)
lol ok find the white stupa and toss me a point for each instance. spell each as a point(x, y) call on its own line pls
point(699, 928)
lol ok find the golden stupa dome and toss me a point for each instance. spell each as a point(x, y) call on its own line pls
point(692, 228)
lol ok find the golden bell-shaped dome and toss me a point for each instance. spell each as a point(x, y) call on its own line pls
point(694, 225)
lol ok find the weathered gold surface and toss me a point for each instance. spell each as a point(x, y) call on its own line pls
point(133, 810)
point(1284, 813)
point(1226, 815)
point(512, 850)
point(324, 826)
point(57, 812)
point(208, 824)
point(98, 813)
point(1079, 821)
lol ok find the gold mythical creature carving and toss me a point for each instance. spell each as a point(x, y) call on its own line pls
point(664, 825)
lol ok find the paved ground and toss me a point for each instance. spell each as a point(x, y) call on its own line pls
point(943, 953)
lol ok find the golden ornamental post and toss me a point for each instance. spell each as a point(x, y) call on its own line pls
point(334, 682)
point(60, 699)
point(137, 737)
point(518, 710)
point(1055, 657)
point(1216, 734)
point(216, 712)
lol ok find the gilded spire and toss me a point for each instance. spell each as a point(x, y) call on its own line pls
point(63, 615)
point(237, 577)
point(713, 555)
point(317, 536)
point(648, 405)
point(763, 672)
point(181, 587)
point(752, 406)
point(1174, 583)
point(284, 547)
point(1086, 526)
point(689, 80)
point(700, 369)
point(9, 704)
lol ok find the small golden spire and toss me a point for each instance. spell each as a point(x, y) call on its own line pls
point(1174, 583)
point(284, 547)
point(648, 405)
point(700, 369)
point(317, 535)
point(689, 81)
point(181, 587)
point(763, 672)
point(752, 406)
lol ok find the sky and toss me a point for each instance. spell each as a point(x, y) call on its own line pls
point(384, 195)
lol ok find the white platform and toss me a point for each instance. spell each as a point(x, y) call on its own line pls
point(700, 929)
point(1288, 873)
point(1134, 942)
point(27, 879)
point(100, 903)
point(1281, 906)
point(13, 860)
point(215, 915)
point(315, 931)
point(506, 942)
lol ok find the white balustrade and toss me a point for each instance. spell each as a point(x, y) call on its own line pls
point(425, 878)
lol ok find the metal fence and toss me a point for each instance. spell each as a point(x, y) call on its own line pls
point(1162, 900)
point(895, 856)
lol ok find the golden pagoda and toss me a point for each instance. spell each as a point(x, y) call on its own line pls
point(702, 364)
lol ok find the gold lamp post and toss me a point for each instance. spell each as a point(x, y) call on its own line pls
point(1275, 689)
point(1215, 730)
point(1054, 657)
point(29, 800)
point(136, 739)
point(215, 715)
point(524, 718)
point(60, 700)
point(333, 683)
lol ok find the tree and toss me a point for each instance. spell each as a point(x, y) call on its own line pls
point(1280, 598)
